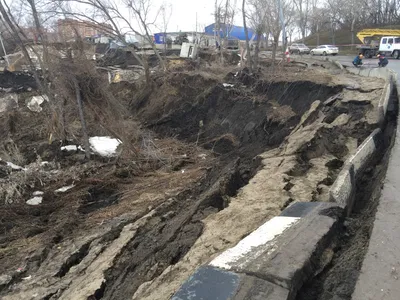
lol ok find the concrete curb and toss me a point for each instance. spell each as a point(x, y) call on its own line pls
point(278, 257)
point(343, 189)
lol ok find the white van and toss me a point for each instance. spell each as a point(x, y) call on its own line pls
point(390, 45)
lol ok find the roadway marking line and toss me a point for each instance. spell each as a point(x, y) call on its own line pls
point(262, 236)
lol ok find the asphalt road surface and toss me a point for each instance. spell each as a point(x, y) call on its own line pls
point(394, 64)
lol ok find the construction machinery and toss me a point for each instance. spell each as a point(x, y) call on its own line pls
point(371, 39)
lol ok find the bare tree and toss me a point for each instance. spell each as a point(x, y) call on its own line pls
point(224, 14)
point(16, 32)
point(258, 21)
point(166, 12)
point(141, 9)
point(110, 11)
point(274, 22)
point(246, 32)
point(303, 10)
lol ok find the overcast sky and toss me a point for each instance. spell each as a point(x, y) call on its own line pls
point(184, 14)
point(183, 17)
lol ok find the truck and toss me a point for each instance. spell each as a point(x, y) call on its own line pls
point(377, 41)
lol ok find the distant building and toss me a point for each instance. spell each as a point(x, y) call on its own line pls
point(161, 38)
point(69, 28)
point(231, 31)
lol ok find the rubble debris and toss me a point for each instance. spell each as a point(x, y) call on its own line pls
point(64, 189)
point(35, 200)
point(202, 156)
point(72, 148)
point(5, 279)
point(12, 165)
point(228, 85)
point(35, 103)
point(189, 50)
point(8, 103)
point(129, 75)
point(104, 145)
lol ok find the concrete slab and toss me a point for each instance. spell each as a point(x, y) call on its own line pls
point(293, 261)
point(380, 273)
point(366, 151)
point(342, 190)
point(290, 258)
point(264, 237)
point(209, 283)
point(302, 209)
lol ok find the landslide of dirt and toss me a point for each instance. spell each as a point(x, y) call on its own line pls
point(223, 155)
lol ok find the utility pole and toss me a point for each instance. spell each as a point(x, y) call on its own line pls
point(282, 19)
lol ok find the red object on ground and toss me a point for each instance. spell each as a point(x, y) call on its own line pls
point(287, 54)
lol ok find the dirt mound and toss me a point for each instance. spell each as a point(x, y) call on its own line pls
point(230, 57)
point(204, 111)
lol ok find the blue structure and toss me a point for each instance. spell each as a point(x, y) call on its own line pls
point(159, 38)
point(232, 31)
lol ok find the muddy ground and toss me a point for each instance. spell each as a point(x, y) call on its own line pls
point(221, 153)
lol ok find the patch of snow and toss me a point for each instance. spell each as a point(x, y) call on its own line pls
point(69, 148)
point(37, 193)
point(15, 167)
point(44, 163)
point(64, 189)
point(104, 145)
point(35, 200)
point(228, 85)
point(8, 102)
point(72, 148)
point(36, 101)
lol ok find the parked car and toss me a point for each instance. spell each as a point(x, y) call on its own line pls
point(299, 49)
point(325, 50)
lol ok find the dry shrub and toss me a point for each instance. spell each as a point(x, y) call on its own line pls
point(10, 192)
point(9, 151)
point(104, 114)
point(15, 186)
point(18, 186)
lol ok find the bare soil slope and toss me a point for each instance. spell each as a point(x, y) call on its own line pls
point(224, 155)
